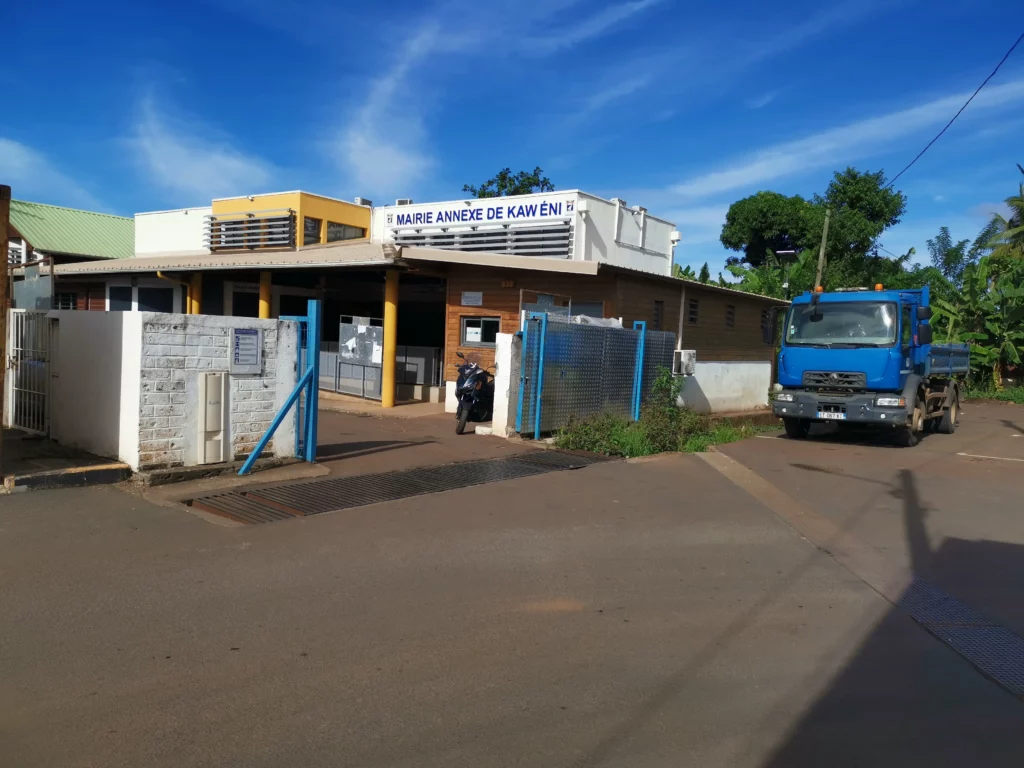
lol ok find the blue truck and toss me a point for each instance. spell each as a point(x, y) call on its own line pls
point(859, 356)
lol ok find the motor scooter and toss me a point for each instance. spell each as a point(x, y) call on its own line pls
point(474, 390)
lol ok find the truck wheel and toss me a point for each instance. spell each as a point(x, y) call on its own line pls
point(910, 435)
point(947, 424)
point(796, 429)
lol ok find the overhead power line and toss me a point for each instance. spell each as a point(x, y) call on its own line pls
point(959, 112)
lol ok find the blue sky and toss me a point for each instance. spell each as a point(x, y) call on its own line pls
point(126, 107)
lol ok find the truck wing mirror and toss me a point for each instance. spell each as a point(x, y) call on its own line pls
point(924, 333)
point(924, 313)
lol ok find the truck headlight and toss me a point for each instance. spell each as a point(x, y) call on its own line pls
point(891, 402)
point(784, 397)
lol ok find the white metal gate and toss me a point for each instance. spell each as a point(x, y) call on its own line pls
point(27, 399)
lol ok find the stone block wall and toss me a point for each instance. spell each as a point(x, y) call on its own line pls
point(175, 349)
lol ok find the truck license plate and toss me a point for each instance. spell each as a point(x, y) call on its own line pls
point(836, 415)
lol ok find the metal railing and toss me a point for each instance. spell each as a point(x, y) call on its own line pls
point(257, 229)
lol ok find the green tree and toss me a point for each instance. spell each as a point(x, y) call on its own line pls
point(948, 257)
point(862, 209)
point(705, 273)
point(507, 183)
point(767, 221)
point(1006, 233)
point(989, 313)
point(683, 272)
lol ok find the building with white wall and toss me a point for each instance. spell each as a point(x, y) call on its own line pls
point(570, 225)
point(172, 233)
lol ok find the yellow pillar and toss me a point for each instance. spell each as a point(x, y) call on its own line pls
point(387, 392)
point(265, 296)
point(195, 293)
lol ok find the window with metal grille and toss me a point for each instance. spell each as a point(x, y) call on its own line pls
point(15, 253)
point(480, 331)
point(65, 301)
point(336, 232)
point(730, 316)
point(659, 315)
point(693, 311)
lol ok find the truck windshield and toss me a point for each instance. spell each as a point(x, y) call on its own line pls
point(856, 323)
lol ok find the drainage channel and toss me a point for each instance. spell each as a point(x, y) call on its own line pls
point(283, 502)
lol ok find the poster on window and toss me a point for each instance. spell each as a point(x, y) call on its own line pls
point(473, 335)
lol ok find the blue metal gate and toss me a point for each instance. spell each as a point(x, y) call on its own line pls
point(569, 369)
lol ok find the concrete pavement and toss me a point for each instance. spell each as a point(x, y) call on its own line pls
point(645, 614)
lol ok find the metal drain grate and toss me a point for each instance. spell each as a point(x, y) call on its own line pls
point(265, 505)
point(993, 649)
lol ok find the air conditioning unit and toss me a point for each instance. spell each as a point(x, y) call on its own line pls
point(364, 201)
point(403, 201)
point(639, 209)
point(684, 362)
point(619, 201)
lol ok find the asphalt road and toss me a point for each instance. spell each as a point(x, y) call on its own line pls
point(644, 614)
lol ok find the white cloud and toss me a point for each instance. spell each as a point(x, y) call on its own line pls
point(620, 90)
point(180, 158)
point(842, 144)
point(32, 176)
point(701, 224)
point(587, 28)
point(757, 102)
point(381, 149)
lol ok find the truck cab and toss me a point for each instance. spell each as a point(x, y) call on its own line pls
point(866, 356)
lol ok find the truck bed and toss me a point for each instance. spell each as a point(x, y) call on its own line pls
point(949, 359)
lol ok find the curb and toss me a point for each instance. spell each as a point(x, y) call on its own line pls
point(156, 477)
point(74, 477)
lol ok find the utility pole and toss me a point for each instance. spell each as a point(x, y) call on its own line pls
point(821, 253)
point(5, 217)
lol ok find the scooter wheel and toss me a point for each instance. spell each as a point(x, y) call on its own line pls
point(463, 417)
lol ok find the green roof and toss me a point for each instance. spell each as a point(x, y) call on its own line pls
point(52, 229)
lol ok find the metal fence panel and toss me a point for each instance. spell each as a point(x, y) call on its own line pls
point(659, 346)
point(586, 370)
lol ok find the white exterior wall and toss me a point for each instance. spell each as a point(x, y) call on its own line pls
point(506, 384)
point(175, 349)
point(171, 232)
point(125, 385)
point(727, 387)
point(604, 232)
point(616, 235)
point(94, 398)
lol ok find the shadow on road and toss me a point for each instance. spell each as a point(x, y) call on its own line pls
point(335, 451)
point(904, 702)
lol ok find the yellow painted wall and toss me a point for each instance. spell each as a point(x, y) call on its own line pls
point(322, 208)
point(261, 203)
point(304, 204)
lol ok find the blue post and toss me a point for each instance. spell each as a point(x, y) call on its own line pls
point(313, 334)
point(540, 376)
point(247, 466)
point(638, 372)
point(299, 344)
point(522, 377)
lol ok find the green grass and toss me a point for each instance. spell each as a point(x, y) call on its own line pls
point(662, 427)
point(1009, 395)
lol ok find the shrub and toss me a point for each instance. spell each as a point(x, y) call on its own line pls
point(663, 426)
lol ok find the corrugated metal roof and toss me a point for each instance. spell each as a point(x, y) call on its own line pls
point(352, 254)
point(695, 283)
point(52, 229)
